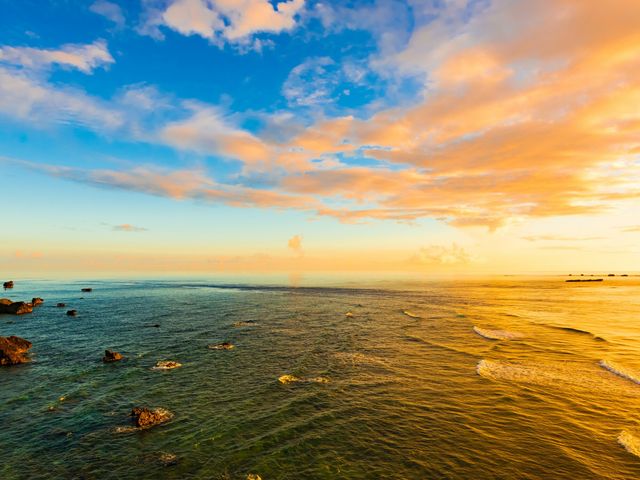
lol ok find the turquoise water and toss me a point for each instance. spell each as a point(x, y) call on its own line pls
point(414, 391)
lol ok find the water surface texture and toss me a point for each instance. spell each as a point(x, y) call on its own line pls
point(502, 378)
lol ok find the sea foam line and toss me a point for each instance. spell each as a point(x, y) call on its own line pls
point(620, 371)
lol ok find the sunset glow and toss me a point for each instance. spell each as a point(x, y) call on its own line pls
point(204, 136)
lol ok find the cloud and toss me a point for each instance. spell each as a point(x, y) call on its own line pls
point(230, 20)
point(84, 57)
point(110, 11)
point(126, 227)
point(38, 102)
point(442, 255)
point(631, 229)
point(295, 244)
point(559, 238)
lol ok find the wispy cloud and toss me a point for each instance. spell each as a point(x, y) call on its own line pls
point(84, 57)
point(126, 227)
point(109, 10)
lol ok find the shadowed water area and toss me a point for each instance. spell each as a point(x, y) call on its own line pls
point(503, 378)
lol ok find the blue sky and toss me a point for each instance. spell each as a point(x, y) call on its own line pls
point(371, 126)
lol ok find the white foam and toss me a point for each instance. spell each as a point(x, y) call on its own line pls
point(620, 371)
point(562, 375)
point(496, 334)
point(410, 314)
point(630, 442)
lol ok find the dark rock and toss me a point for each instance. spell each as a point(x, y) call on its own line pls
point(152, 325)
point(13, 350)
point(110, 356)
point(87, 289)
point(168, 459)
point(36, 301)
point(72, 313)
point(14, 308)
point(8, 284)
point(145, 418)
point(61, 304)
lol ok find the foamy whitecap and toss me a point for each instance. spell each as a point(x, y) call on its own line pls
point(410, 314)
point(556, 375)
point(620, 371)
point(496, 334)
point(630, 442)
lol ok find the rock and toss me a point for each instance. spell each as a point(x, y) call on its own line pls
point(146, 418)
point(166, 365)
point(14, 308)
point(222, 346)
point(348, 314)
point(61, 305)
point(111, 356)
point(72, 313)
point(87, 289)
point(152, 325)
point(168, 459)
point(36, 301)
point(254, 476)
point(245, 323)
point(8, 284)
point(286, 379)
point(13, 350)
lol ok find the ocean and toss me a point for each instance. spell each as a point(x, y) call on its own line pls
point(468, 378)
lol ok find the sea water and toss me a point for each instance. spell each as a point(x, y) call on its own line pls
point(492, 378)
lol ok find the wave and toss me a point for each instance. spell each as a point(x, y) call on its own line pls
point(620, 371)
point(630, 442)
point(496, 334)
point(410, 314)
point(561, 375)
point(579, 331)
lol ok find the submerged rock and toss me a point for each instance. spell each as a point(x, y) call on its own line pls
point(286, 379)
point(144, 417)
point(8, 284)
point(15, 308)
point(167, 459)
point(245, 323)
point(166, 365)
point(72, 313)
point(222, 346)
point(86, 289)
point(61, 305)
point(111, 356)
point(36, 301)
point(13, 350)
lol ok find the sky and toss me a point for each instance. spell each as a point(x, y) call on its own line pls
point(254, 136)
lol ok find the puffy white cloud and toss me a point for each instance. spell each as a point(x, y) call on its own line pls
point(230, 20)
point(85, 58)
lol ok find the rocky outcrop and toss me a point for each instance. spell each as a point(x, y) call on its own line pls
point(222, 346)
point(144, 417)
point(36, 301)
point(72, 313)
point(8, 284)
point(166, 365)
point(15, 308)
point(13, 350)
point(111, 356)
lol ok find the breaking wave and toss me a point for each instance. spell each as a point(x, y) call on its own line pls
point(630, 442)
point(620, 371)
point(496, 334)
